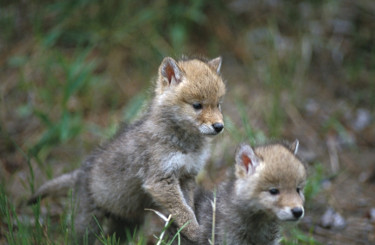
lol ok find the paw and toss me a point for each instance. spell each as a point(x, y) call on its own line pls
point(192, 231)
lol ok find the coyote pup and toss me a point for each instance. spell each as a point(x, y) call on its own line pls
point(153, 162)
point(267, 189)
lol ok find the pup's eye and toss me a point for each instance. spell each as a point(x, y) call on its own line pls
point(197, 106)
point(298, 190)
point(273, 191)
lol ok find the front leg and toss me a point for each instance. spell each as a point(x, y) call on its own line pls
point(166, 191)
point(188, 185)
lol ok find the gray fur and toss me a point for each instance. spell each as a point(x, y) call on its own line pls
point(55, 187)
point(150, 164)
point(241, 217)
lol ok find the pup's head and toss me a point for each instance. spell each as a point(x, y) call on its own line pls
point(271, 178)
point(192, 91)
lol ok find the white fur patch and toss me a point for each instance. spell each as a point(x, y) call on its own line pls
point(192, 162)
point(245, 187)
point(207, 129)
point(286, 214)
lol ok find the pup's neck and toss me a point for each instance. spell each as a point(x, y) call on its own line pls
point(165, 125)
point(249, 224)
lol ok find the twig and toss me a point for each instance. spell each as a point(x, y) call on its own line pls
point(213, 204)
point(333, 155)
point(167, 220)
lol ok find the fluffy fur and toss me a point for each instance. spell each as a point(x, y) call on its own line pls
point(152, 163)
point(267, 190)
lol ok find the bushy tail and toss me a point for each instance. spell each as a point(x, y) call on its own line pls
point(55, 186)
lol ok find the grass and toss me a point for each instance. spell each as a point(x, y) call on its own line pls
point(69, 67)
point(297, 237)
point(22, 231)
point(213, 204)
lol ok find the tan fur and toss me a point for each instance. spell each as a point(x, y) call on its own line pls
point(153, 163)
point(247, 213)
point(196, 78)
point(279, 171)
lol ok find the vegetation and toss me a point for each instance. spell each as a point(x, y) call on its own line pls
point(71, 71)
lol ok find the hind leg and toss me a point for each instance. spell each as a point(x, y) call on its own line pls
point(125, 229)
point(87, 216)
point(86, 224)
point(188, 186)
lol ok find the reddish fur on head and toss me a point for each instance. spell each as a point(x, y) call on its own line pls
point(246, 161)
point(277, 184)
point(169, 72)
point(181, 84)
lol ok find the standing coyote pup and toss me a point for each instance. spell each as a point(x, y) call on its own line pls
point(153, 162)
point(267, 189)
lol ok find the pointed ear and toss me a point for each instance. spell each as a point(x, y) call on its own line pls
point(215, 64)
point(170, 71)
point(294, 147)
point(246, 161)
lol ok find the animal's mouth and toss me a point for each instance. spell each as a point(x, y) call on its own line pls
point(292, 219)
point(290, 215)
point(211, 134)
point(210, 130)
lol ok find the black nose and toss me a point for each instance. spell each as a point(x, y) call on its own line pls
point(218, 127)
point(297, 212)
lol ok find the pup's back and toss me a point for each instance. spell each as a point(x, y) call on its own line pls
point(153, 162)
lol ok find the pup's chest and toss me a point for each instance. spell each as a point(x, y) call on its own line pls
point(190, 163)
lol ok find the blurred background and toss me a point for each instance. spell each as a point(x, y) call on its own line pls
point(72, 70)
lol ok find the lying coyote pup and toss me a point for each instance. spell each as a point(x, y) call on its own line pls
point(267, 189)
point(152, 163)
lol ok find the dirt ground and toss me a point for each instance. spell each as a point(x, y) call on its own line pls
point(346, 186)
point(342, 212)
point(310, 79)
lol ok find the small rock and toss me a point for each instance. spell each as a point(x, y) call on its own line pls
point(363, 176)
point(361, 120)
point(333, 220)
point(326, 184)
point(326, 219)
point(311, 106)
point(371, 215)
